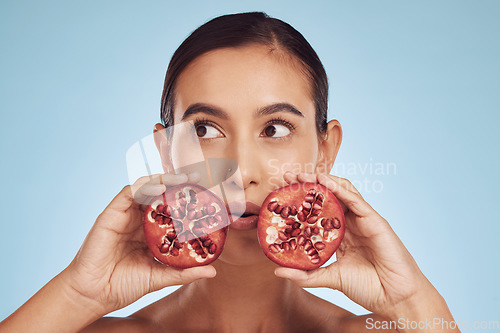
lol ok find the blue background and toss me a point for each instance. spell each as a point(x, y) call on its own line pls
point(415, 85)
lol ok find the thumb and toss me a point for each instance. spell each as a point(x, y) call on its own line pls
point(165, 276)
point(320, 277)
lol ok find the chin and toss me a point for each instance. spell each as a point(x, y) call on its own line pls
point(242, 248)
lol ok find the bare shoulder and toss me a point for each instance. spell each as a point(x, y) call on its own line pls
point(309, 314)
point(332, 318)
point(152, 318)
point(365, 323)
point(122, 325)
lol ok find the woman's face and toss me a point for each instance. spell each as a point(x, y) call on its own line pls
point(259, 111)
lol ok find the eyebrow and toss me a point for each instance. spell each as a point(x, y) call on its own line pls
point(216, 112)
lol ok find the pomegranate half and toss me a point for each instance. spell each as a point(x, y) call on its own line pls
point(186, 226)
point(301, 225)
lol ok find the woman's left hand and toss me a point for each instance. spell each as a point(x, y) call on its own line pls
point(373, 267)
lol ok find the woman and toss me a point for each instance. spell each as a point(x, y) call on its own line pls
point(256, 91)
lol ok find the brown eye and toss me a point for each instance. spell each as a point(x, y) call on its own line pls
point(207, 132)
point(201, 131)
point(276, 131)
point(270, 130)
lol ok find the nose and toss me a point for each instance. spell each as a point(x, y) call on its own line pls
point(244, 152)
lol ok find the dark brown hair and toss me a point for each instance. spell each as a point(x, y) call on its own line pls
point(242, 29)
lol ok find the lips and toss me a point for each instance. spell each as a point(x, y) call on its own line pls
point(246, 220)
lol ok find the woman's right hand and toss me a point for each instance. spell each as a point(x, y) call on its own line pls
point(114, 266)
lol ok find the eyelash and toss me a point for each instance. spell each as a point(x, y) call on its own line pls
point(276, 120)
point(205, 121)
point(281, 121)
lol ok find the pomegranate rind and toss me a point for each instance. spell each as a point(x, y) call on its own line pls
point(269, 222)
point(155, 233)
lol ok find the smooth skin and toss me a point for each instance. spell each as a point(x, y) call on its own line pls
point(242, 291)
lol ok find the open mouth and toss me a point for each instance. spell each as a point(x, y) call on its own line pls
point(247, 219)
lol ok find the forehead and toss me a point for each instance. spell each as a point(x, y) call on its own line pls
point(243, 78)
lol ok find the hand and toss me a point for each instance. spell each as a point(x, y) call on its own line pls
point(373, 267)
point(114, 266)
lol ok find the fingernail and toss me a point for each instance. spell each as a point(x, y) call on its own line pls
point(211, 273)
point(194, 174)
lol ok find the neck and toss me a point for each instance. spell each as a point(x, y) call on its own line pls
point(242, 296)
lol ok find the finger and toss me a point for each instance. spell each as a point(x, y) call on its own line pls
point(290, 177)
point(164, 276)
point(194, 177)
point(152, 190)
point(307, 177)
point(346, 183)
point(303, 177)
point(321, 277)
point(164, 178)
point(122, 201)
point(354, 202)
point(117, 218)
point(147, 191)
point(126, 198)
point(145, 188)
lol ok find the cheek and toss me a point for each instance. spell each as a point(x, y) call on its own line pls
point(185, 146)
point(299, 157)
